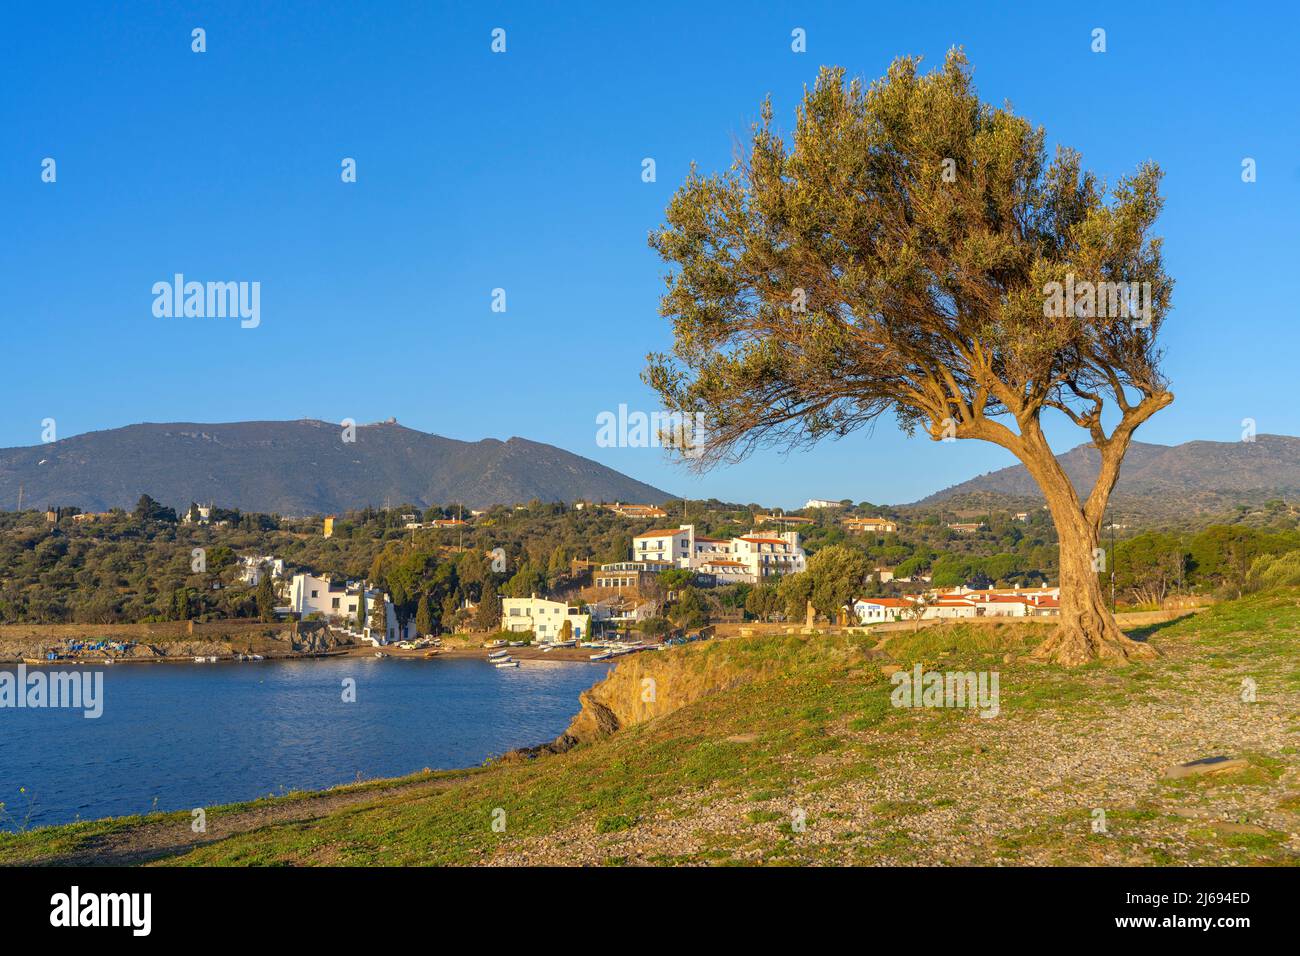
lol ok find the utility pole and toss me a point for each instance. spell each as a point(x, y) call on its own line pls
point(1112, 564)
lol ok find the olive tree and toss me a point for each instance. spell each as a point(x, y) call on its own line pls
point(912, 250)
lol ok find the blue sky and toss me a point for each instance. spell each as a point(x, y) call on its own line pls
point(522, 171)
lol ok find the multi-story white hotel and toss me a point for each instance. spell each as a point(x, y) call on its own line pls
point(748, 559)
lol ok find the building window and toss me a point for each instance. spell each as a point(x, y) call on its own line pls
point(315, 593)
point(334, 604)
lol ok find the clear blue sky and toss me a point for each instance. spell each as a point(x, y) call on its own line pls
point(522, 171)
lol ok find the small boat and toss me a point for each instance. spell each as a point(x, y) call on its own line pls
point(508, 662)
point(495, 644)
point(380, 654)
point(548, 648)
point(602, 656)
point(499, 656)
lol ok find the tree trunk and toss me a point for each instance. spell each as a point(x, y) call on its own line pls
point(1087, 631)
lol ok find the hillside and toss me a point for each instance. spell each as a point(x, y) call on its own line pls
point(301, 467)
point(1194, 476)
point(785, 749)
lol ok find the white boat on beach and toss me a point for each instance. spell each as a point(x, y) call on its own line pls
point(602, 656)
point(499, 656)
point(506, 662)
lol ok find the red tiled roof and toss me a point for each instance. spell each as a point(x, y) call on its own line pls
point(656, 534)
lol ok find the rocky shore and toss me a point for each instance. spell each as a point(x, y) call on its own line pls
point(167, 641)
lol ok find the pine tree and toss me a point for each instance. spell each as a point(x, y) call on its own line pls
point(361, 610)
point(423, 617)
point(488, 617)
point(379, 619)
point(265, 597)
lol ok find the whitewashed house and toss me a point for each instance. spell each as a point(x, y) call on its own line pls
point(309, 594)
point(251, 567)
point(544, 618)
point(881, 610)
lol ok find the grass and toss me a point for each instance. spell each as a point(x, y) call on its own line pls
point(805, 723)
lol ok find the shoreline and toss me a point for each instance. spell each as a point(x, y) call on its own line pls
point(567, 654)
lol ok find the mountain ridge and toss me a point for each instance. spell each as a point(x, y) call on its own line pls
point(302, 466)
point(1209, 470)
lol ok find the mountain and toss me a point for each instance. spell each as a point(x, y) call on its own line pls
point(1196, 475)
point(302, 467)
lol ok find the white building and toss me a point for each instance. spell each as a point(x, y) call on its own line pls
point(251, 566)
point(544, 618)
point(204, 515)
point(309, 594)
point(747, 559)
point(881, 610)
point(821, 503)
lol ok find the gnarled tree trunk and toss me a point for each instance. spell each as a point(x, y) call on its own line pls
point(1087, 630)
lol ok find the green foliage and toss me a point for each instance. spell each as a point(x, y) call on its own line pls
point(265, 597)
point(488, 615)
point(1270, 571)
point(674, 579)
point(423, 617)
point(690, 610)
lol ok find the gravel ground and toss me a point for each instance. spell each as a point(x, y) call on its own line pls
point(1019, 789)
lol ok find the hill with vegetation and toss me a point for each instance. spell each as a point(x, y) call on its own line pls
point(786, 749)
point(1156, 481)
point(137, 566)
point(300, 468)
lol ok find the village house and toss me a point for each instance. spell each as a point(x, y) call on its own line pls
point(821, 503)
point(91, 516)
point(961, 603)
point(966, 527)
point(636, 511)
point(869, 525)
point(544, 618)
point(880, 610)
point(781, 520)
point(309, 594)
point(198, 514)
point(252, 565)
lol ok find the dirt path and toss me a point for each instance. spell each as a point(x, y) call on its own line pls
point(170, 837)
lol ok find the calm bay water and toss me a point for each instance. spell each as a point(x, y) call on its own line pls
point(194, 735)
